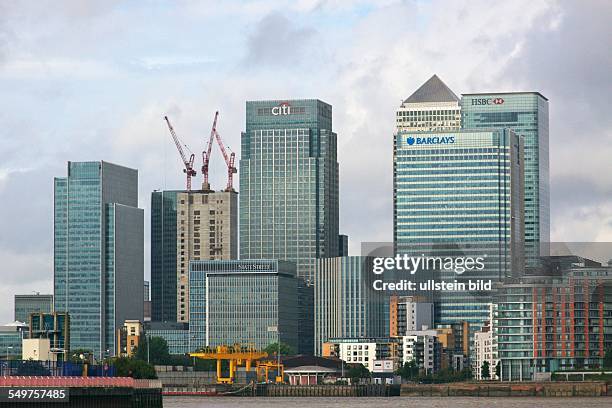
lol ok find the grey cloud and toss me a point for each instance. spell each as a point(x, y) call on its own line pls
point(570, 63)
point(276, 41)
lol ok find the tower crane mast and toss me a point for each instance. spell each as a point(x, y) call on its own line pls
point(206, 154)
point(188, 163)
point(229, 159)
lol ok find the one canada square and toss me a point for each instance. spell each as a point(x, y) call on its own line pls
point(289, 183)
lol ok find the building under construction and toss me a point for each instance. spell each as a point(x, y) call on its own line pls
point(190, 225)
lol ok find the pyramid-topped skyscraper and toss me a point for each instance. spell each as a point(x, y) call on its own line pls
point(434, 106)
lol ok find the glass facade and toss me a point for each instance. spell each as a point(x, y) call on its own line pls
point(251, 302)
point(26, 304)
point(458, 192)
point(289, 183)
point(175, 334)
point(10, 343)
point(346, 306)
point(98, 245)
point(527, 115)
point(163, 256)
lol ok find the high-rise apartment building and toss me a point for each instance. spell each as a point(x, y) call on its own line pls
point(409, 313)
point(558, 320)
point(526, 113)
point(289, 183)
point(34, 303)
point(432, 107)
point(185, 226)
point(98, 252)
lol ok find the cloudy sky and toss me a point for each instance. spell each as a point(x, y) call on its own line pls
point(92, 80)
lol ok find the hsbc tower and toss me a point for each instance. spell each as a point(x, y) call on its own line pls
point(526, 113)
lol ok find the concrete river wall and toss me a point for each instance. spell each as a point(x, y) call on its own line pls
point(493, 389)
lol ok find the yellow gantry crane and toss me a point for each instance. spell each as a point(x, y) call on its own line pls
point(237, 355)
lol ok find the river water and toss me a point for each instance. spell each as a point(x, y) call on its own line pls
point(392, 402)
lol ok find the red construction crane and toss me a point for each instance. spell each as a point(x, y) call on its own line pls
point(188, 170)
point(206, 155)
point(229, 159)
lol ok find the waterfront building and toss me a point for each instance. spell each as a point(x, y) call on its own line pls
point(55, 327)
point(485, 349)
point(34, 303)
point(289, 183)
point(555, 320)
point(526, 113)
point(248, 301)
point(424, 348)
point(346, 306)
point(409, 313)
point(363, 350)
point(460, 194)
point(432, 107)
point(186, 226)
point(98, 252)
point(175, 334)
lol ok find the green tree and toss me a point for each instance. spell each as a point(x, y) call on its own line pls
point(75, 355)
point(357, 372)
point(498, 369)
point(408, 371)
point(607, 362)
point(157, 354)
point(131, 367)
point(285, 349)
point(484, 370)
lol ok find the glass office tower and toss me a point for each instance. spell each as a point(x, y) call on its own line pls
point(345, 304)
point(34, 303)
point(460, 193)
point(289, 183)
point(527, 114)
point(98, 252)
point(250, 302)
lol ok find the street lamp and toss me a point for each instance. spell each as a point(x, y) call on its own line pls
point(278, 359)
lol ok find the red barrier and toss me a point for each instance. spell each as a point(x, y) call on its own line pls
point(70, 382)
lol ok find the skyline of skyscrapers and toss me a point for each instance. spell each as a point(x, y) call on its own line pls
point(98, 252)
point(460, 174)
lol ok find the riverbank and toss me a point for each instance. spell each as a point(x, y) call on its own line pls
point(466, 389)
point(395, 402)
point(497, 389)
